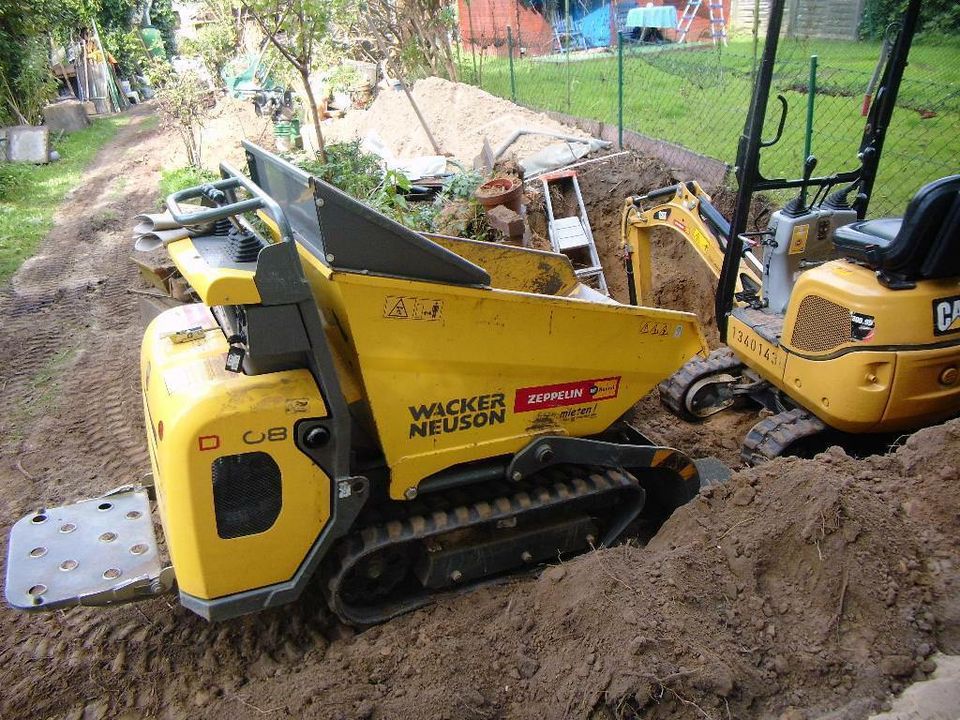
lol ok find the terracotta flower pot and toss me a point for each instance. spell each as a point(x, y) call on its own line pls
point(501, 191)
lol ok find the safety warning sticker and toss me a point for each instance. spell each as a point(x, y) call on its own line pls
point(402, 307)
point(578, 392)
point(798, 239)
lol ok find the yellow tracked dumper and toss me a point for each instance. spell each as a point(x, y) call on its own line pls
point(354, 404)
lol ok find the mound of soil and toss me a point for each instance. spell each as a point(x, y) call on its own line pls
point(802, 589)
point(460, 116)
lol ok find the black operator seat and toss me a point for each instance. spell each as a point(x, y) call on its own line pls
point(923, 244)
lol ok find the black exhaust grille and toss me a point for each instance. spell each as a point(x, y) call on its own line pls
point(246, 493)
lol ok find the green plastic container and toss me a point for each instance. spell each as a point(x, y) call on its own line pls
point(286, 133)
point(154, 42)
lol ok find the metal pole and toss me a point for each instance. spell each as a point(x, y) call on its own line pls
point(473, 47)
point(566, 6)
point(748, 165)
point(516, 7)
point(620, 90)
point(811, 95)
point(513, 80)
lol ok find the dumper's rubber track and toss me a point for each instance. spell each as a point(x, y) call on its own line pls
point(674, 389)
point(778, 434)
point(560, 489)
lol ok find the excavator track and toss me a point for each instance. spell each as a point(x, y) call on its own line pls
point(674, 389)
point(775, 435)
point(565, 504)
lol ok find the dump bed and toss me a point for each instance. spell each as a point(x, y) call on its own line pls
point(448, 350)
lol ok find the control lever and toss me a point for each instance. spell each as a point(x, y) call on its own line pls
point(808, 166)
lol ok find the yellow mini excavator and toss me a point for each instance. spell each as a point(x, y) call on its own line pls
point(355, 404)
point(845, 330)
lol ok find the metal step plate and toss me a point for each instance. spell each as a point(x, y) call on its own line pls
point(94, 552)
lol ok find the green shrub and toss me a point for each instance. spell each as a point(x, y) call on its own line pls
point(181, 178)
point(937, 17)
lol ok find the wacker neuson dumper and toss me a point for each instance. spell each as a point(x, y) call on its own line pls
point(354, 404)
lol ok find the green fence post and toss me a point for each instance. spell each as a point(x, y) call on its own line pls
point(566, 6)
point(620, 89)
point(811, 94)
point(513, 80)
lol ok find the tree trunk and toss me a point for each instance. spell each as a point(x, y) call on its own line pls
point(314, 113)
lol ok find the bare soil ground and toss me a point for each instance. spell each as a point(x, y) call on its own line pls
point(804, 589)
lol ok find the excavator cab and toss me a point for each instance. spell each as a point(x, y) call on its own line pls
point(924, 244)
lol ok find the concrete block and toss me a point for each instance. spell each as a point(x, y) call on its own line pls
point(89, 107)
point(28, 144)
point(68, 116)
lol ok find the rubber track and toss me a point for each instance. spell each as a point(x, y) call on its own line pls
point(551, 494)
point(770, 437)
point(673, 389)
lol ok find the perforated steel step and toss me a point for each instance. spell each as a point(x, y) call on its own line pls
point(93, 552)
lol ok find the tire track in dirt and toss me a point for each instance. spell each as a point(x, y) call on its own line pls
point(72, 417)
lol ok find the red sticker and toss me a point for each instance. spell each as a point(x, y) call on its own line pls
point(680, 224)
point(578, 392)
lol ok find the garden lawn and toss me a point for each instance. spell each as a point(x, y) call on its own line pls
point(698, 98)
point(30, 194)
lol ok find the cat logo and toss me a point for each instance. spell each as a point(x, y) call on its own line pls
point(946, 315)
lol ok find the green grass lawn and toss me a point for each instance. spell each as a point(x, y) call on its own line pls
point(30, 194)
point(698, 98)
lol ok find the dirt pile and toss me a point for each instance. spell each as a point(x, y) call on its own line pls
point(230, 121)
point(800, 590)
point(459, 116)
point(681, 280)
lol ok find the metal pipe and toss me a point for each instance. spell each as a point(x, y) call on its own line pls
point(513, 82)
point(748, 161)
point(620, 90)
point(811, 95)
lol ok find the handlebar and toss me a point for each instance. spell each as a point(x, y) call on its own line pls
point(222, 190)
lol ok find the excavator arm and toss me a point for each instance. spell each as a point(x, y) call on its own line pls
point(686, 209)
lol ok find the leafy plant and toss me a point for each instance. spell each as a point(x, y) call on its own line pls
point(361, 175)
point(348, 167)
point(462, 185)
point(343, 77)
point(33, 86)
point(128, 49)
point(184, 103)
point(216, 40)
point(302, 31)
point(937, 17)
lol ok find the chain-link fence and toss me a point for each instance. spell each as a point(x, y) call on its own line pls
point(696, 96)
